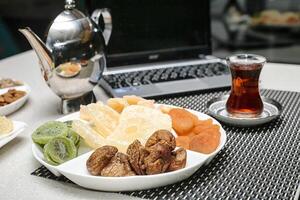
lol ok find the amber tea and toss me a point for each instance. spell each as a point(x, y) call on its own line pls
point(244, 99)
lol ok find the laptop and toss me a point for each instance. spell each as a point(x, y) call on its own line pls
point(161, 48)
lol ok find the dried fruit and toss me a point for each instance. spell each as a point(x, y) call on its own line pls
point(139, 122)
point(100, 159)
point(198, 135)
point(205, 142)
point(72, 135)
point(132, 99)
point(6, 125)
point(137, 153)
point(182, 121)
point(103, 118)
point(118, 166)
point(48, 131)
point(178, 160)
point(158, 160)
point(183, 141)
point(10, 96)
point(59, 150)
point(90, 136)
point(163, 137)
point(118, 104)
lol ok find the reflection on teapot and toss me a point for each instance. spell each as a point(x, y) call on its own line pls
point(72, 60)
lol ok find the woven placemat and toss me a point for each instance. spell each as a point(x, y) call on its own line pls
point(256, 163)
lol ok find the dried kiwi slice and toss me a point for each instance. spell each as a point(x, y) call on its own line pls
point(69, 123)
point(73, 136)
point(59, 150)
point(49, 159)
point(49, 130)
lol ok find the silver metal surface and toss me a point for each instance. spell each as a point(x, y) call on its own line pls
point(72, 60)
point(217, 108)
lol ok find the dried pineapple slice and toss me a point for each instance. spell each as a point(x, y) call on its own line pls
point(95, 140)
point(165, 109)
point(90, 136)
point(118, 104)
point(139, 122)
point(103, 118)
point(132, 99)
point(6, 125)
point(146, 103)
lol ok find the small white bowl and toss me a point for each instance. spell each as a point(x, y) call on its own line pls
point(76, 170)
point(14, 106)
point(18, 128)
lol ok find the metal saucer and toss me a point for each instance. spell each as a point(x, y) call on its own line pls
point(217, 108)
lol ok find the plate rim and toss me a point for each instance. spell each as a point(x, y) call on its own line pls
point(14, 133)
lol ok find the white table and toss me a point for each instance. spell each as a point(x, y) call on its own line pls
point(16, 160)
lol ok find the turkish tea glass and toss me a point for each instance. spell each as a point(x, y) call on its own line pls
point(244, 99)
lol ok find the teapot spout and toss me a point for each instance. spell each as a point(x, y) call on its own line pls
point(43, 53)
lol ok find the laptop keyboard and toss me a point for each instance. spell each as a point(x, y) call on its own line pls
point(145, 77)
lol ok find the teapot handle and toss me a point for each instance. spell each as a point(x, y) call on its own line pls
point(104, 12)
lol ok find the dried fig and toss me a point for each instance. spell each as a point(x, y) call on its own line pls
point(100, 158)
point(178, 159)
point(158, 160)
point(163, 137)
point(118, 166)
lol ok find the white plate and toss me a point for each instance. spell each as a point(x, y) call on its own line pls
point(76, 171)
point(12, 107)
point(18, 128)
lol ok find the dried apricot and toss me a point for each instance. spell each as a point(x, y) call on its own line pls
point(183, 141)
point(182, 122)
point(194, 117)
point(206, 122)
point(205, 142)
point(202, 128)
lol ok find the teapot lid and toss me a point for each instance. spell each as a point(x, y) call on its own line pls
point(72, 35)
point(70, 13)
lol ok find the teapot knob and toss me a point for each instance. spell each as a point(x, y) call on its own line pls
point(69, 4)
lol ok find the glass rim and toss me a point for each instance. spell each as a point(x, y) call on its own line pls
point(245, 59)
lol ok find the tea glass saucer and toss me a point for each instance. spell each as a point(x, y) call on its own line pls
point(217, 108)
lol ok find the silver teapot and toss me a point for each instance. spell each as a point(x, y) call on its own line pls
point(72, 60)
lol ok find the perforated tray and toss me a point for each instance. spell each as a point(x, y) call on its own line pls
point(257, 163)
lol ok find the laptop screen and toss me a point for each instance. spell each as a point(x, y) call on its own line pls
point(157, 30)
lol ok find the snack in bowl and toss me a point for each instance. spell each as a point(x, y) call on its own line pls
point(6, 125)
point(7, 83)
point(123, 162)
point(11, 96)
point(139, 122)
point(197, 135)
point(59, 150)
point(119, 104)
point(140, 131)
point(157, 156)
point(58, 141)
point(103, 118)
point(101, 124)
